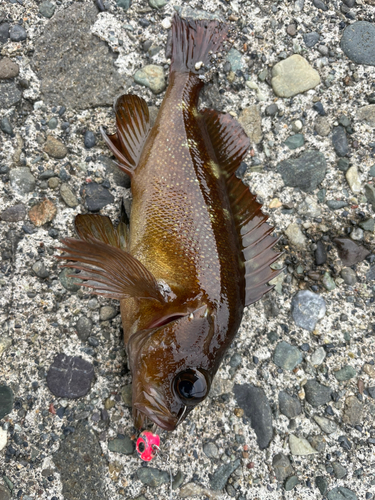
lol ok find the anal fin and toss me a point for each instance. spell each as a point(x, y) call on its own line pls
point(133, 125)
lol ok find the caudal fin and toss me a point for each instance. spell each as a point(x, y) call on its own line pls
point(194, 42)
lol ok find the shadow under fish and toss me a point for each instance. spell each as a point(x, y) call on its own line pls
point(197, 249)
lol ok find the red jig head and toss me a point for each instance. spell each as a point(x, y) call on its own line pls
point(147, 445)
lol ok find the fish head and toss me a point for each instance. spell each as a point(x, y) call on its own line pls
point(171, 368)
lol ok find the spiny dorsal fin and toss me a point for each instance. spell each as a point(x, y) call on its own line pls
point(110, 271)
point(133, 125)
point(101, 228)
point(230, 145)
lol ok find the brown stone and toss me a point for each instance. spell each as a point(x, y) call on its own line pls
point(8, 68)
point(369, 370)
point(55, 148)
point(42, 213)
point(353, 411)
point(292, 29)
point(251, 120)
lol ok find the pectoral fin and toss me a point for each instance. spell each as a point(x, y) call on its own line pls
point(110, 271)
point(101, 228)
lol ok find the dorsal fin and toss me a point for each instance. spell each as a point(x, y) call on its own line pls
point(101, 228)
point(133, 125)
point(230, 145)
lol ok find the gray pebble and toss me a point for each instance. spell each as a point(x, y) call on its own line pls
point(327, 425)
point(235, 360)
point(307, 309)
point(336, 204)
point(126, 395)
point(304, 172)
point(4, 32)
point(222, 473)
point(320, 5)
point(370, 195)
point(358, 42)
point(341, 493)
point(272, 109)
point(123, 445)
point(353, 413)
point(9, 95)
point(178, 480)
point(17, 33)
point(67, 282)
point(70, 376)
point(52, 124)
point(340, 141)
point(6, 400)
point(40, 269)
point(83, 327)
point(150, 476)
point(346, 373)
point(287, 356)
point(6, 126)
point(368, 225)
point(320, 253)
point(339, 471)
point(322, 126)
point(234, 57)
point(47, 9)
point(68, 195)
point(295, 141)
point(96, 196)
point(343, 164)
point(311, 39)
point(89, 139)
point(282, 466)
point(289, 406)
point(317, 394)
point(14, 213)
point(107, 312)
point(318, 357)
point(22, 180)
point(151, 76)
point(291, 483)
point(211, 450)
point(321, 484)
point(124, 4)
point(349, 276)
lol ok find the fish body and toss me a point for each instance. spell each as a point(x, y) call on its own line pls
point(197, 249)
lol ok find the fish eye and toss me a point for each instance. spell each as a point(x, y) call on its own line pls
point(191, 386)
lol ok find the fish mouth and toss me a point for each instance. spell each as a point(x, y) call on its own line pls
point(151, 407)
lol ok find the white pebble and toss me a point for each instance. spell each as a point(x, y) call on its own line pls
point(166, 23)
point(198, 65)
point(3, 439)
point(353, 179)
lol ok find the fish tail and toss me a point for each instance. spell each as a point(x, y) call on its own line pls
point(193, 42)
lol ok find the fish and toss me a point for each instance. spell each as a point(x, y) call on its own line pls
point(197, 249)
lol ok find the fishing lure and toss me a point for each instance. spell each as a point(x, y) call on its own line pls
point(197, 249)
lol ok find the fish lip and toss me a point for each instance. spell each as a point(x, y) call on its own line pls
point(166, 421)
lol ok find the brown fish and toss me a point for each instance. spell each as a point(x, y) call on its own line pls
point(197, 250)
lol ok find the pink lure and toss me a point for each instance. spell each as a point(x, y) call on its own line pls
point(147, 445)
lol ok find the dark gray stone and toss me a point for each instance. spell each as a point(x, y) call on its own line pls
point(320, 253)
point(68, 282)
point(272, 109)
point(6, 126)
point(358, 42)
point(317, 394)
point(9, 95)
point(343, 164)
point(289, 406)
point(96, 196)
point(89, 139)
point(123, 445)
point(120, 178)
point(6, 400)
point(255, 404)
point(339, 471)
point(150, 476)
point(307, 309)
point(4, 32)
point(40, 269)
point(304, 172)
point(178, 480)
point(336, 204)
point(291, 483)
point(221, 475)
point(320, 5)
point(211, 450)
point(47, 9)
point(287, 356)
point(124, 4)
point(321, 484)
point(340, 141)
point(311, 39)
point(282, 467)
point(341, 493)
point(22, 180)
point(346, 373)
point(70, 376)
point(80, 59)
point(295, 141)
point(17, 33)
point(14, 213)
point(81, 465)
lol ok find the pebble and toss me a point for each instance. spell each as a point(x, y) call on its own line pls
point(328, 282)
point(353, 179)
point(358, 42)
point(305, 172)
point(328, 426)
point(321, 484)
point(70, 376)
point(251, 120)
point(178, 479)
point(4, 493)
point(83, 327)
point(368, 225)
point(17, 33)
point(320, 253)
point(6, 126)
point(96, 196)
point(307, 309)
point(67, 282)
point(211, 450)
point(341, 493)
point(291, 483)
point(370, 194)
point(81, 465)
point(6, 400)
point(282, 466)
point(272, 109)
point(311, 39)
point(107, 312)
point(318, 356)
point(151, 76)
point(353, 412)
point(320, 5)
point(309, 207)
point(22, 180)
point(343, 164)
point(349, 252)
point(55, 148)
point(300, 446)
point(5, 343)
point(52, 123)
point(255, 404)
point(127, 394)
point(367, 114)
point(339, 471)
point(340, 141)
point(3, 440)
point(150, 476)
point(40, 269)
point(47, 9)
point(234, 57)
point(4, 32)
point(157, 4)
point(322, 126)
point(221, 475)
point(9, 95)
point(123, 445)
point(124, 4)
point(14, 213)
point(318, 107)
point(357, 234)
point(295, 141)
point(295, 235)
point(293, 76)
point(191, 490)
point(287, 356)
point(42, 213)
point(289, 406)
point(67, 194)
point(317, 394)
point(369, 370)
point(8, 68)
point(89, 139)
point(346, 373)
point(297, 125)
